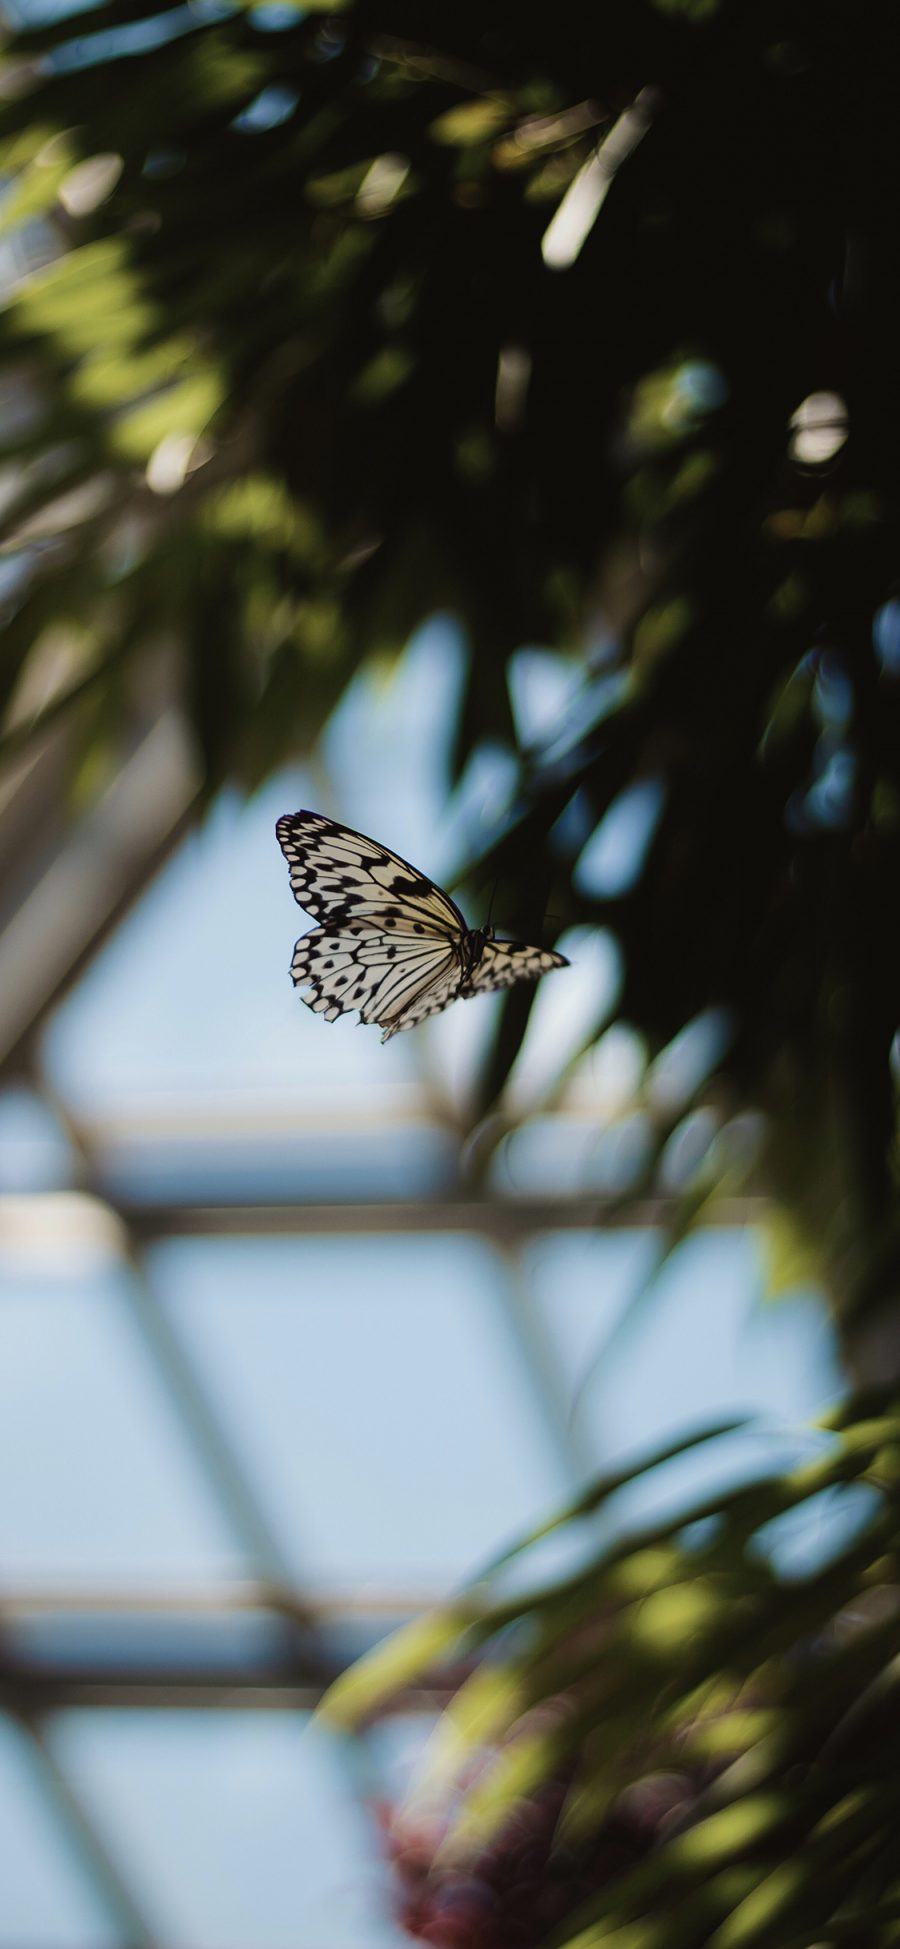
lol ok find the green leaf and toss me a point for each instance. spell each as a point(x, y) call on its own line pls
point(472, 122)
point(418, 1648)
point(605, 1486)
point(793, 1258)
point(725, 1835)
point(186, 407)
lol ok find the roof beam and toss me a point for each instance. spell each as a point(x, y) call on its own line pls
point(94, 876)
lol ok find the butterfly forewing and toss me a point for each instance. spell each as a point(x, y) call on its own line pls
point(390, 943)
point(337, 874)
point(504, 962)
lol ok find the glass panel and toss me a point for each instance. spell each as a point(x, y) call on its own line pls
point(563, 1156)
point(96, 1478)
point(233, 1827)
point(34, 1154)
point(47, 1897)
point(406, 1161)
point(567, 1010)
point(582, 1285)
point(388, 747)
point(656, 1358)
point(375, 1388)
point(191, 1000)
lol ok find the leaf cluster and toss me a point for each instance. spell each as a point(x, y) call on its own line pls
point(681, 1654)
point(290, 370)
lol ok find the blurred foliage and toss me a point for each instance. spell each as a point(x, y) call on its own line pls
point(688, 1740)
point(284, 371)
point(322, 320)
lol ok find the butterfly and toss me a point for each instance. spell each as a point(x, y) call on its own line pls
point(389, 942)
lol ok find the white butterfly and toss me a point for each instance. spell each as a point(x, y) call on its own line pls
point(390, 942)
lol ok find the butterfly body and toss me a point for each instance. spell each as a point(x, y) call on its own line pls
point(389, 942)
point(471, 953)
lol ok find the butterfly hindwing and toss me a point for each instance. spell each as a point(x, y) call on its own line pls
point(393, 987)
point(442, 989)
point(383, 976)
point(503, 963)
point(338, 874)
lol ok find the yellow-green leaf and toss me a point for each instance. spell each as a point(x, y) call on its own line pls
point(471, 122)
point(406, 1656)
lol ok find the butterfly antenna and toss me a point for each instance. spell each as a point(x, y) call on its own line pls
point(491, 905)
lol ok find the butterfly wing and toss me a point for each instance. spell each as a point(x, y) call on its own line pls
point(387, 977)
point(504, 962)
point(440, 990)
point(338, 875)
